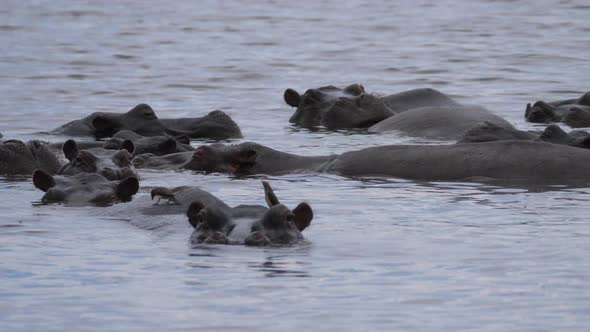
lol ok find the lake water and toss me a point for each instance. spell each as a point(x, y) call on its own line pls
point(383, 254)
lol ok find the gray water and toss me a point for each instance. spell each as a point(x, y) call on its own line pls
point(382, 254)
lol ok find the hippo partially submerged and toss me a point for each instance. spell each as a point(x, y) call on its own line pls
point(158, 145)
point(143, 120)
point(512, 161)
point(573, 112)
point(215, 222)
point(486, 132)
point(245, 158)
point(84, 188)
point(352, 107)
point(112, 164)
point(20, 158)
point(336, 108)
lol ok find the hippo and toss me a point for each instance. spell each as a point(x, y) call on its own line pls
point(157, 145)
point(240, 159)
point(439, 122)
point(216, 223)
point(336, 108)
point(573, 112)
point(20, 158)
point(352, 107)
point(84, 188)
point(510, 161)
point(487, 131)
point(143, 120)
point(112, 164)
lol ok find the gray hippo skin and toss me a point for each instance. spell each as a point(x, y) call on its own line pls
point(240, 159)
point(157, 145)
point(511, 162)
point(439, 122)
point(487, 132)
point(84, 188)
point(112, 164)
point(573, 112)
point(415, 98)
point(20, 158)
point(143, 120)
point(336, 108)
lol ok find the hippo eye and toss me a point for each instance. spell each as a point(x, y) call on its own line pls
point(290, 217)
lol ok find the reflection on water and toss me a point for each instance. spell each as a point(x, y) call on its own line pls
point(382, 254)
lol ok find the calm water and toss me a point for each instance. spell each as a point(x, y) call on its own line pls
point(382, 254)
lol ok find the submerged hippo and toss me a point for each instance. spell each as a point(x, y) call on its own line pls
point(112, 164)
point(157, 145)
point(336, 108)
point(215, 222)
point(20, 158)
point(143, 120)
point(84, 188)
point(523, 162)
point(352, 107)
point(240, 159)
point(573, 112)
point(486, 132)
point(439, 122)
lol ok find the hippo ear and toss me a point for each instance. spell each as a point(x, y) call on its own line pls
point(183, 139)
point(292, 97)
point(128, 145)
point(70, 149)
point(584, 100)
point(42, 180)
point(168, 146)
point(193, 212)
point(527, 112)
point(303, 215)
point(127, 188)
point(269, 195)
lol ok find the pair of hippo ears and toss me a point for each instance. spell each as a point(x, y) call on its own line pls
point(71, 149)
point(124, 190)
point(302, 214)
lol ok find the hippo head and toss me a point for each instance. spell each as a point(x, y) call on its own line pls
point(212, 225)
point(18, 157)
point(577, 117)
point(540, 112)
point(554, 134)
point(279, 225)
point(157, 145)
point(336, 108)
point(113, 165)
point(220, 158)
point(141, 119)
point(84, 188)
